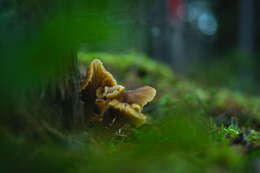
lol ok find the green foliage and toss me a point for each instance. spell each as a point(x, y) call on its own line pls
point(133, 65)
point(183, 136)
point(39, 39)
point(173, 90)
point(175, 143)
point(226, 134)
point(192, 129)
point(235, 70)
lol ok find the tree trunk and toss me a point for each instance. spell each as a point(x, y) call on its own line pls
point(246, 26)
point(159, 43)
point(62, 95)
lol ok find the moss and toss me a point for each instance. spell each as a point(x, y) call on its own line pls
point(186, 133)
point(134, 66)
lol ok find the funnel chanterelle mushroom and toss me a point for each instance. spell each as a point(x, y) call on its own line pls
point(100, 89)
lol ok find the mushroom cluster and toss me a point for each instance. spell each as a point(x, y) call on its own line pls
point(105, 100)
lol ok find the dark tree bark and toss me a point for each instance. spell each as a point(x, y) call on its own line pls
point(158, 31)
point(57, 102)
point(246, 26)
point(62, 95)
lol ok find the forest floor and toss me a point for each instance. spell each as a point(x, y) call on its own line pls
point(190, 129)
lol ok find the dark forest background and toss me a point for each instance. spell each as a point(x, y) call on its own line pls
point(188, 34)
point(202, 57)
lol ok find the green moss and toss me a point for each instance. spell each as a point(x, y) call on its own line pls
point(136, 70)
point(184, 134)
point(137, 67)
point(175, 143)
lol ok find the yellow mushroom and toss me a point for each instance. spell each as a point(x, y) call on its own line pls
point(115, 92)
point(140, 96)
point(99, 90)
point(96, 76)
point(127, 110)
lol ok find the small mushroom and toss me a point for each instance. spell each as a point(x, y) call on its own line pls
point(140, 96)
point(97, 76)
point(114, 92)
point(102, 96)
point(132, 103)
point(127, 110)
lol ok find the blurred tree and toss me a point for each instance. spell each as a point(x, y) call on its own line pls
point(158, 40)
point(246, 25)
point(228, 24)
point(39, 44)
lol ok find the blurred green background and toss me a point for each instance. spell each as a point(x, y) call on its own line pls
point(201, 56)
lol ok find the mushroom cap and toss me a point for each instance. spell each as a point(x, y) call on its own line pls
point(96, 76)
point(136, 107)
point(114, 92)
point(127, 110)
point(102, 96)
point(140, 96)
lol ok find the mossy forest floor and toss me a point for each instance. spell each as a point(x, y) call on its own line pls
point(190, 129)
